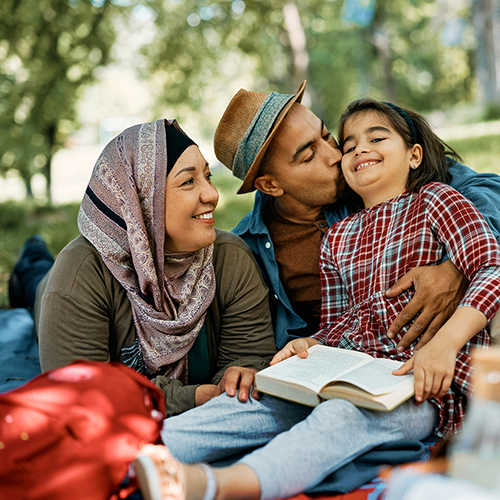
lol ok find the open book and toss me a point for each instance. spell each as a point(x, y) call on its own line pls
point(329, 373)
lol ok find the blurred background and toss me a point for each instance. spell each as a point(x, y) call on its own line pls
point(75, 73)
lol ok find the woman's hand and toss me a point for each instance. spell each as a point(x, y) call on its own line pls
point(296, 346)
point(205, 393)
point(438, 291)
point(239, 380)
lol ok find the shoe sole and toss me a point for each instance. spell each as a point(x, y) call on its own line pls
point(147, 476)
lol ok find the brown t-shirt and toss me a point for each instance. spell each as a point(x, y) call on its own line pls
point(296, 250)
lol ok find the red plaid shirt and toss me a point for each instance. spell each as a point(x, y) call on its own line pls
point(364, 254)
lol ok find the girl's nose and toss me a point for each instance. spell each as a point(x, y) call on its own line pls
point(361, 148)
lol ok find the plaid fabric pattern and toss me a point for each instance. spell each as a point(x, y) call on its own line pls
point(364, 254)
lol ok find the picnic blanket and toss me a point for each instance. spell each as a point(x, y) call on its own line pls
point(358, 480)
point(19, 360)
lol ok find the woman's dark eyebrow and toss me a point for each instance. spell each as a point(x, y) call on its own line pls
point(185, 169)
point(190, 169)
point(378, 128)
point(307, 144)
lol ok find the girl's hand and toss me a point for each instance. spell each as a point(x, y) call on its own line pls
point(297, 346)
point(433, 368)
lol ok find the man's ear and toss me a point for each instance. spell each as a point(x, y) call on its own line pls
point(268, 184)
point(417, 154)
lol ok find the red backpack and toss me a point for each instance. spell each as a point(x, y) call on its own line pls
point(71, 433)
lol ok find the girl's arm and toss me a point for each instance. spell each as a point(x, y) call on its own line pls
point(434, 365)
point(472, 247)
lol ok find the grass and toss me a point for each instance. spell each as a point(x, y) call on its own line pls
point(57, 224)
point(479, 153)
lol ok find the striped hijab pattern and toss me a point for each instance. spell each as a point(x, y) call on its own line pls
point(123, 215)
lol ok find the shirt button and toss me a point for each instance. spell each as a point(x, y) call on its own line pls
point(268, 245)
point(275, 296)
point(322, 224)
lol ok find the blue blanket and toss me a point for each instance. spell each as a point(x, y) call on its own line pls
point(19, 360)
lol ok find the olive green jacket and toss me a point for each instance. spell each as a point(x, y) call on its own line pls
point(82, 312)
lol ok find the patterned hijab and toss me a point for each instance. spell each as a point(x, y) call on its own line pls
point(123, 215)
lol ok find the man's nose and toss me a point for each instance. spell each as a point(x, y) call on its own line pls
point(334, 153)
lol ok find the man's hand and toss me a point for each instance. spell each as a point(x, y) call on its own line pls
point(297, 346)
point(239, 380)
point(206, 392)
point(438, 291)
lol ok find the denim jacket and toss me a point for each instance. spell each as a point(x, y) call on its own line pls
point(482, 189)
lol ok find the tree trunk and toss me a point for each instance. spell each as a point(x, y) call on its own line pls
point(47, 169)
point(297, 37)
point(486, 52)
point(382, 44)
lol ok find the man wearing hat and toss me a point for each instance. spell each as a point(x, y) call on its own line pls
point(278, 146)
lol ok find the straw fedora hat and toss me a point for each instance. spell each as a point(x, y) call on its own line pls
point(246, 129)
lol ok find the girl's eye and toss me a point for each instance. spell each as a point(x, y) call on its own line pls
point(378, 139)
point(352, 148)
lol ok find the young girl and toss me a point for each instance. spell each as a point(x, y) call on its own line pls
point(392, 160)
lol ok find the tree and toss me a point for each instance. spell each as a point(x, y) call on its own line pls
point(487, 54)
point(49, 50)
point(390, 49)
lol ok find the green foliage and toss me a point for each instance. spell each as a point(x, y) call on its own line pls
point(232, 207)
point(49, 49)
point(479, 153)
point(492, 112)
point(202, 47)
point(21, 220)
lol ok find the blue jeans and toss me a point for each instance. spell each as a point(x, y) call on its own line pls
point(302, 445)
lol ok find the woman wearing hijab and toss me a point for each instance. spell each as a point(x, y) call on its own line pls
point(150, 283)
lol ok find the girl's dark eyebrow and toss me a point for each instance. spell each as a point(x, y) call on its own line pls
point(378, 128)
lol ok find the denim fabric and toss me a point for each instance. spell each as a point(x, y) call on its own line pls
point(304, 445)
point(18, 349)
point(334, 434)
point(224, 426)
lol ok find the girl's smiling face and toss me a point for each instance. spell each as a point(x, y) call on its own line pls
point(376, 160)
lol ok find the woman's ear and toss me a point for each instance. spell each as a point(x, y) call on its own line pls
point(268, 184)
point(417, 153)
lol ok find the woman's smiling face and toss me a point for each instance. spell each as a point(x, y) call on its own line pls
point(376, 160)
point(190, 199)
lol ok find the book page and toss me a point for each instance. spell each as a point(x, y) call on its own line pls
point(376, 376)
point(322, 365)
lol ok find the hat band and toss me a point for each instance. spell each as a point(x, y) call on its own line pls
point(257, 132)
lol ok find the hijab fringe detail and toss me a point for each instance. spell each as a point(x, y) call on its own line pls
point(123, 215)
